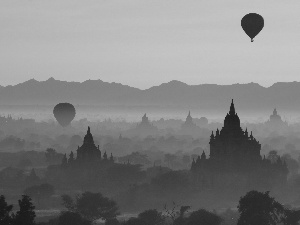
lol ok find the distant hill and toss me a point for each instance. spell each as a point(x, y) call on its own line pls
point(252, 96)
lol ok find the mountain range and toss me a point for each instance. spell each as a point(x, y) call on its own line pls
point(251, 96)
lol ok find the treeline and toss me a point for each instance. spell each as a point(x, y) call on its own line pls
point(255, 208)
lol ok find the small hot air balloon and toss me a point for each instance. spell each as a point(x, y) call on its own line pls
point(64, 113)
point(252, 24)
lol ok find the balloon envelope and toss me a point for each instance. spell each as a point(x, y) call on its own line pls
point(64, 113)
point(252, 24)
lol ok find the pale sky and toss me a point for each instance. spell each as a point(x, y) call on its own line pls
point(143, 43)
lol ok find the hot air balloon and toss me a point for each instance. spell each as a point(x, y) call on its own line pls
point(252, 24)
point(64, 113)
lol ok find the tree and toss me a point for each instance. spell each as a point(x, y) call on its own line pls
point(292, 164)
point(258, 208)
point(5, 210)
point(26, 214)
point(92, 206)
point(292, 217)
point(180, 220)
point(40, 191)
point(203, 217)
point(113, 221)
point(134, 221)
point(72, 218)
point(68, 202)
point(151, 217)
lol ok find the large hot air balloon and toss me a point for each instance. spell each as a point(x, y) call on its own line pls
point(64, 113)
point(252, 24)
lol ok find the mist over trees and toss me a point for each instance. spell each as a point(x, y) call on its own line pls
point(141, 166)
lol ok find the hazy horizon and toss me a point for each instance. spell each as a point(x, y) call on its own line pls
point(145, 43)
point(155, 85)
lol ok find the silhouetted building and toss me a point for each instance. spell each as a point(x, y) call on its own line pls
point(275, 122)
point(188, 124)
point(145, 121)
point(88, 150)
point(20, 123)
point(86, 153)
point(235, 159)
point(190, 128)
point(143, 129)
point(232, 143)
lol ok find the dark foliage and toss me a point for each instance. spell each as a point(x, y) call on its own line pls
point(134, 221)
point(5, 210)
point(72, 218)
point(26, 214)
point(151, 217)
point(92, 206)
point(258, 208)
point(113, 221)
point(292, 217)
point(203, 217)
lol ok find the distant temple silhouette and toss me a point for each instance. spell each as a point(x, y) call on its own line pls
point(144, 128)
point(190, 128)
point(189, 124)
point(233, 151)
point(275, 122)
point(87, 152)
point(8, 120)
point(145, 122)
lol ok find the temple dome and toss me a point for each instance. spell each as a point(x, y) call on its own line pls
point(232, 120)
point(88, 138)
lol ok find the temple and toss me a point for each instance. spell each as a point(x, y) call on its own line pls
point(87, 152)
point(275, 116)
point(275, 122)
point(145, 122)
point(232, 143)
point(143, 129)
point(235, 159)
point(190, 128)
point(188, 124)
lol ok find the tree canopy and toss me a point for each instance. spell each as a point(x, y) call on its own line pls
point(26, 214)
point(5, 210)
point(92, 206)
point(258, 208)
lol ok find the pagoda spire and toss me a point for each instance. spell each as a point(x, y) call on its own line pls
point(251, 136)
point(246, 132)
point(212, 135)
point(88, 138)
point(232, 109)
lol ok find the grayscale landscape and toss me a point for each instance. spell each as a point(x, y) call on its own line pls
point(136, 112)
